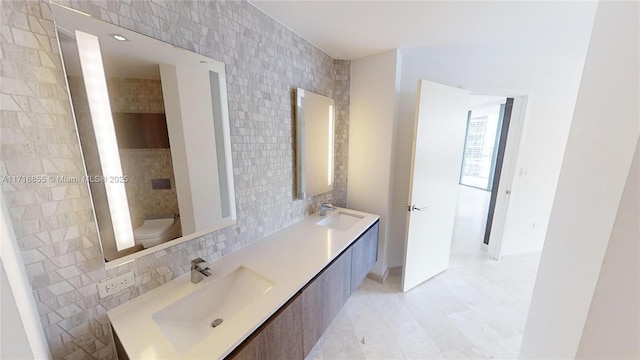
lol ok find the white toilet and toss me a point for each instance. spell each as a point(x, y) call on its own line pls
point(156, 231)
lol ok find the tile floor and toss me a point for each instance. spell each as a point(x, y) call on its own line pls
point(477, 309)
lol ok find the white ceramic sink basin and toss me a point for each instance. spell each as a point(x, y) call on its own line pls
point(189, 320)
point(340, 220)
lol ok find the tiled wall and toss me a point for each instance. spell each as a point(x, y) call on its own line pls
point(136, 95)
point(52, 220)
point(141, 166)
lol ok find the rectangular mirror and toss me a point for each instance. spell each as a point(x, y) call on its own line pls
point(153, 124)
point(314, 143)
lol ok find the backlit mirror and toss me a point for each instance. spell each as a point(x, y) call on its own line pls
point(153, 124)
point(314, 143)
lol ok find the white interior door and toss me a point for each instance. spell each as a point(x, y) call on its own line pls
point(438, 143)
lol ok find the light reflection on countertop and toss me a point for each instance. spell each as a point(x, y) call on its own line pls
point(290, 257)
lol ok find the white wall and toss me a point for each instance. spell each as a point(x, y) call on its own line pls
point(549, 111)
point(191, 130)
point(14, 343)
point(612, 329)
point(22, 336)
point(597, 162)
point(372, 128)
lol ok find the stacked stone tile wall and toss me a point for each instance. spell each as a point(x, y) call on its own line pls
point(53, 221)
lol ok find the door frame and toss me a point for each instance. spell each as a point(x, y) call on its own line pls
point(499, 151)
point(519, 114)
point(509, 169)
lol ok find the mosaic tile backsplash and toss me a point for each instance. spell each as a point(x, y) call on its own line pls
point(265, 62)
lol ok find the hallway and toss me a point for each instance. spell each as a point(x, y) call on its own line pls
point(476, 309)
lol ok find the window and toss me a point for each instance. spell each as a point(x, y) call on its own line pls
point(481, 139)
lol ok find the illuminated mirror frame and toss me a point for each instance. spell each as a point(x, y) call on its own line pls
point(92, 70)
point(315, 126)
point(95, 82)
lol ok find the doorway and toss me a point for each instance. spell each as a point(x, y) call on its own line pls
point(442, 116)
point(488, 121)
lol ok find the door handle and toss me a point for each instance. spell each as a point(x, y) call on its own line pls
point(415, 208)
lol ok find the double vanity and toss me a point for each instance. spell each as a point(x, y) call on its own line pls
point(271, 299)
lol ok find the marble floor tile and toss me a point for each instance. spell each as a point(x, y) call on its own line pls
point(444, 332)
point(315, 353)
point(341, 345)
point(392, 309)
point(470, 296)
point(342, 322)
point(484, 337)
point(500, 318)
point(468, 353)
point(377, 343)
point(414, 341)
point(476, 309)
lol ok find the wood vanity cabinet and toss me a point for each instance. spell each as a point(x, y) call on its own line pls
point(364, 255)
point(291, 333)
point(323, 298)
point(295, 328)
point(279, 338)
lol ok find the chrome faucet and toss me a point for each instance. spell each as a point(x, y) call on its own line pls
point(325, 207)
point(199, 270)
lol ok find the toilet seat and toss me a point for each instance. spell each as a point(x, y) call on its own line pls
point(156, 231)
point(153, 228)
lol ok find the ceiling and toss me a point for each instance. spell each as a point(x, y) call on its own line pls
point(548, 33)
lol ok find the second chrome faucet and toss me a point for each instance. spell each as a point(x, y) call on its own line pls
point(199, 270)
point(325, 207)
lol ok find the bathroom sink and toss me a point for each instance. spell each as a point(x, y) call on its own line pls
point(190, 319)
point(340, 220)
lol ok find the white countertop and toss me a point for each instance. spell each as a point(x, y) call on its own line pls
point(290, 258)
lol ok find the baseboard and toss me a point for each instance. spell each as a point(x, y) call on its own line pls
point(396, 270)
point(377, 277)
